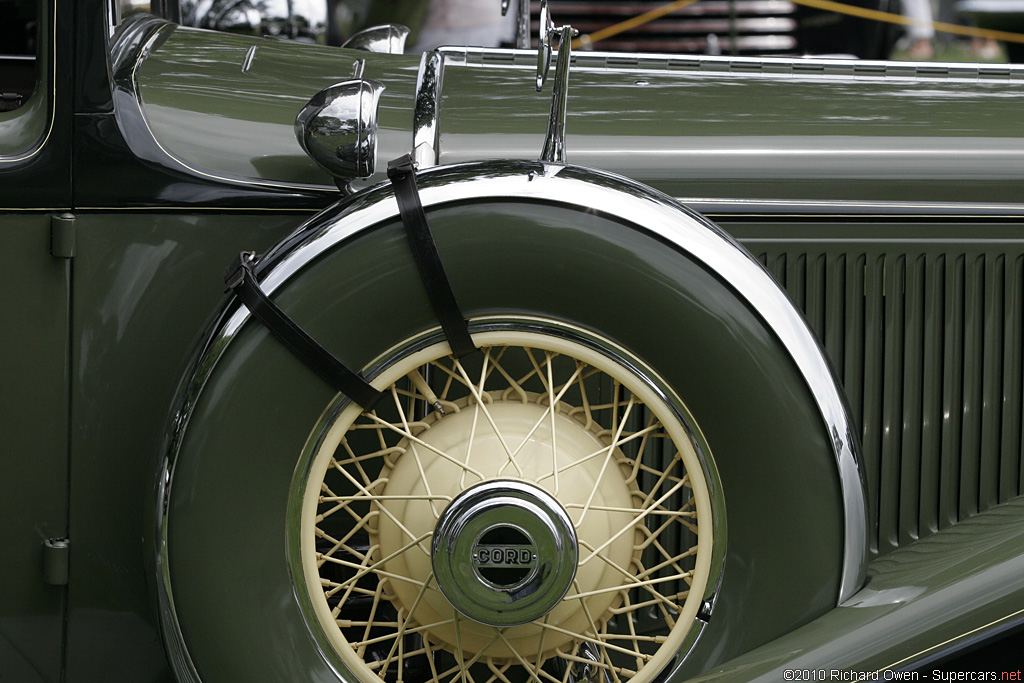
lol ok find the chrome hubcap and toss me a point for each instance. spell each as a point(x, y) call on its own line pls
point(504, 552)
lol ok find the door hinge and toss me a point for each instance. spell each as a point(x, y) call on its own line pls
point(56, 552)
point(62, 235)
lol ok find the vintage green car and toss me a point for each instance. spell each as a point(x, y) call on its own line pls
point(685, 368)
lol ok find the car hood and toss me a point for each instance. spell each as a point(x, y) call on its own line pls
point(224, 106)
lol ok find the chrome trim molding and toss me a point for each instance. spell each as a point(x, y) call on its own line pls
point(768, 67)
point(387, 39)
point(591, 190)
point(425, 131)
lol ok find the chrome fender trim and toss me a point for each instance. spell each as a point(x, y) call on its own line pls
point(594, 190)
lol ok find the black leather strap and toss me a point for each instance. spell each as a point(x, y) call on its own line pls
point(241, 279)
point(402, 174)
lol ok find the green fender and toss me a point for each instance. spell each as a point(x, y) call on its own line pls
point(585, 248)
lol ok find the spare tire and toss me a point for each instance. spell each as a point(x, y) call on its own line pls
point(645, 468)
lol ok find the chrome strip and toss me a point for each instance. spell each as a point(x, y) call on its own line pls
point(427, 106)
point(773, 67)
point(899, 207)
point(594, 191)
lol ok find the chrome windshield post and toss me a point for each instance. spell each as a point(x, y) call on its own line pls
point(554, 141)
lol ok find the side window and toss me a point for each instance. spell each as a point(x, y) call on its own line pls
point(18, 40)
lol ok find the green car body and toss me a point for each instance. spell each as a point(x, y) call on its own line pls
point(885, 200)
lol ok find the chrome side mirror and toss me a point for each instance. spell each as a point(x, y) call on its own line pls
point(338, 129)
point(388, 39)
point(545, 31)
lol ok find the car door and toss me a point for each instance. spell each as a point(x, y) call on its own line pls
point(34, 285)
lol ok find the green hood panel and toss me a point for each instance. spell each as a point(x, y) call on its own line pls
point(225, 105)
point(695, 127)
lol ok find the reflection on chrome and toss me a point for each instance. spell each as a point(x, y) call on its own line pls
point(295, 19)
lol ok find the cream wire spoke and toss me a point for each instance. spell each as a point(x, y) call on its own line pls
point(400, 636)
point(670, 560)
point(464, 666)
point(650, 602)
point(646, 585)
point(597, 634)
point(415, 453)
point(660, 472)
point(585, 408)
point(380, 507)
point(349, 586)
point(603, 450)
point(350, 499)
point(497, 674)
point(591, 636)
point(469, 445)
point(604, 465)
point(434, 450)
point(534, 372)
point(514, 385)
point(363, 570)
point(632, 582)
point(361, 521)
point(662, 480)
point(423, 628)
point(430, 658)
point(550, 413)
point(453, 375)
point(653, 423)
point(565, 665)
point(539, 659)
point(357, 459)
point(538, 370)
point(638, 639)
point(355, 591)
point(380, 572)
point(590, 662)
point(628, 610)
point(478, 393)
point(515, 653)
point(663, 512)
point(446, 389)
point(639, 518)
point(338, 545)
point(373, 613)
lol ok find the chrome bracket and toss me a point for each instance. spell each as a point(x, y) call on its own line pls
point(554, 141)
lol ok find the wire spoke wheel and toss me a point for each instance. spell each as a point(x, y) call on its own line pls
point(536, 511)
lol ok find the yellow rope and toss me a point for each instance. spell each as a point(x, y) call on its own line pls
point(829, 5)
point(891, 18)
point(638, 20)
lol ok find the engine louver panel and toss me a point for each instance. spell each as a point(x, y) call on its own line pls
point(929, 348)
